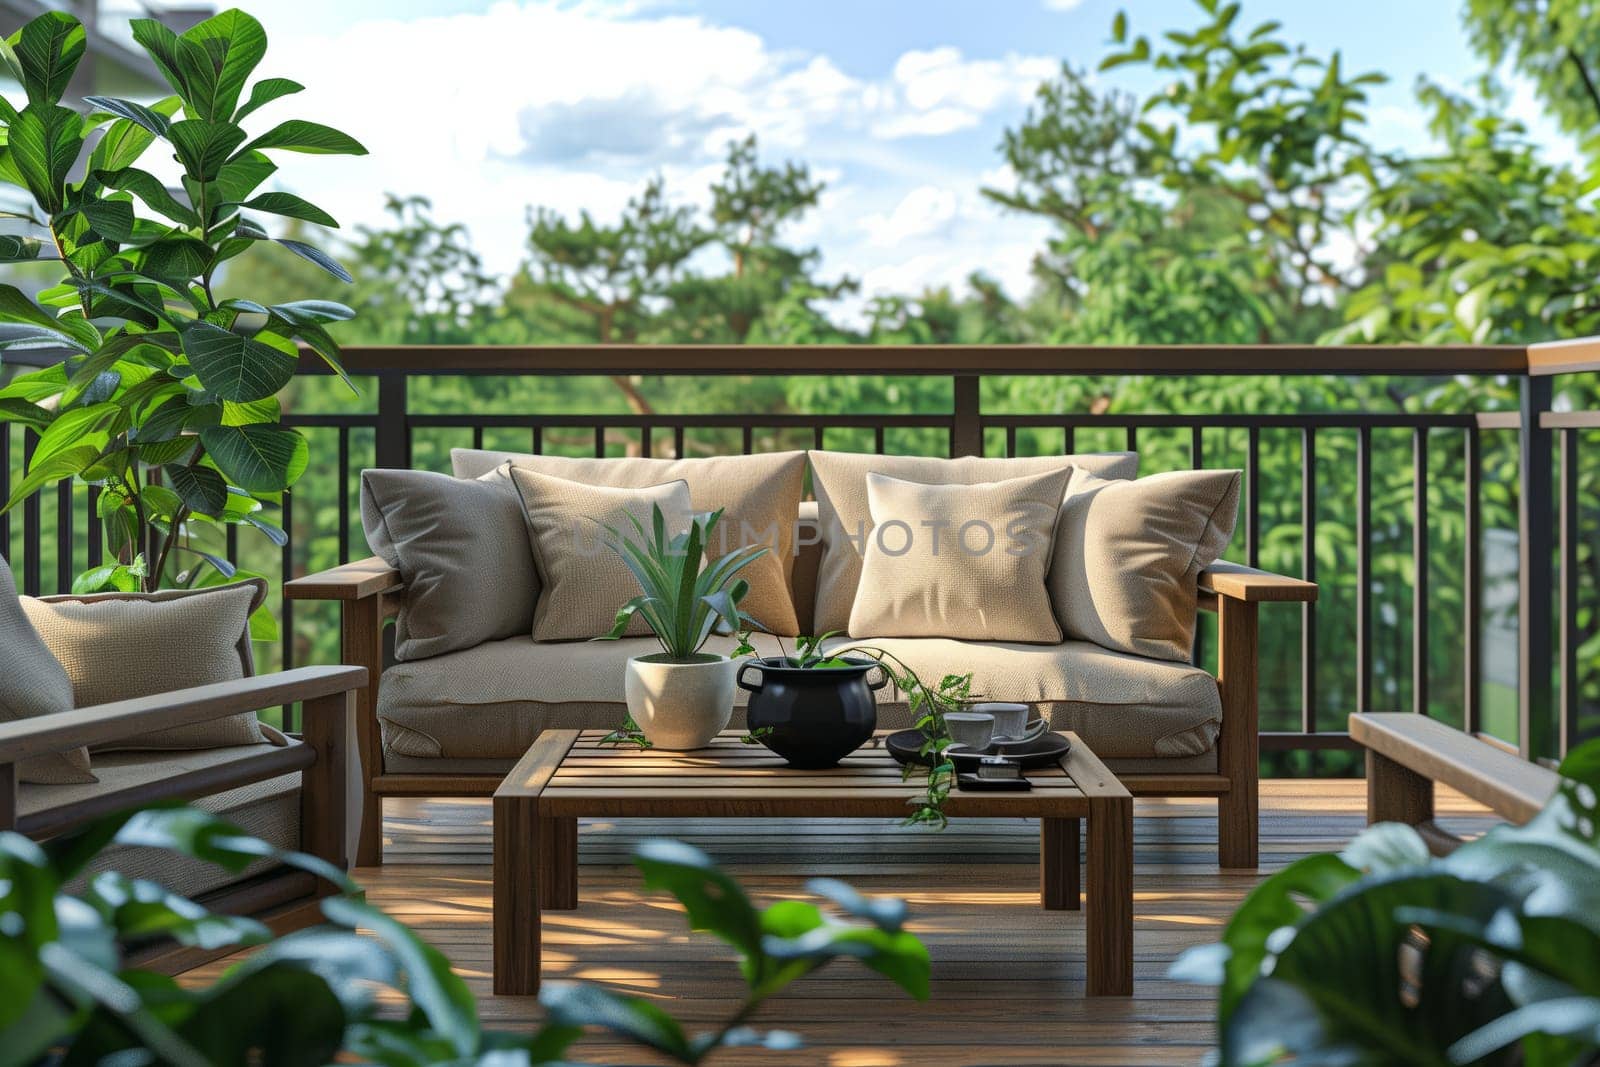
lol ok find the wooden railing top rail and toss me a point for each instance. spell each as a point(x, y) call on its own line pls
point(1422, 360)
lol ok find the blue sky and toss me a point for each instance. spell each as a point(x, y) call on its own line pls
point(489, 108)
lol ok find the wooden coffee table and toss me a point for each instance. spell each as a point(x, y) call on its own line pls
point(567, 774)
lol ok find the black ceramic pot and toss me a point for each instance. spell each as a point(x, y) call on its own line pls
point(814, 716)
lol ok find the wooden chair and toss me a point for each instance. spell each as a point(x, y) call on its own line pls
point(1408, 753)
point(283, 898)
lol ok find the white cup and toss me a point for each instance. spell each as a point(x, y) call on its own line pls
point(1011, 721)
point(971, 729)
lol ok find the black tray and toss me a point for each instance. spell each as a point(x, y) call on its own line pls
point(1046, 750)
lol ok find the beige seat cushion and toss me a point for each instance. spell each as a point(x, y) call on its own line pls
point(1129, 555)
point(758, 495)
point(582, 578)
point(269, 810)
point(1125, 707)
point(839, 480)
point(32, 683)
point(118, 646)
point(965, 561)
point(461, 548)
point(475, 710)
point(490, 702)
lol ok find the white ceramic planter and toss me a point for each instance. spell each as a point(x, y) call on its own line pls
point(680, 705)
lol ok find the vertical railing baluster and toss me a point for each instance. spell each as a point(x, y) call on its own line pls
point(1197, 448)
point(966, 422)
point(1364, 634)
point(344, 489)
point(1472, 584)
point(1252, 515)
point(816, 435)
point(536, 440)
point(392, 444)
point(1133, 438)
point(1569, 633)
point(1308, 571)
point(748, 439)
point(1537, 730)
point(646, 440)
point(1069, 440)
point(94, 529)
point(32, 565)
point(66, 543)
point(878, 439)
point(677, 442)
point(232, 538)
point(477, 437)
point(285, 574)
point(600, 442)
point(1011, 441)
point(1419, 572)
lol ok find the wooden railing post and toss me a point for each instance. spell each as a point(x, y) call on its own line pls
point(1536, 578)
point(393, 436)
point(966, 432)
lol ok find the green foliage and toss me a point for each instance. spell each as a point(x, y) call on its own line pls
point(164, 398)
point(686, 595)
point(315, 994)
point(1383, 954)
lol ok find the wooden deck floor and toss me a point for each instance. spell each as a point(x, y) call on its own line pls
point(1007, 976)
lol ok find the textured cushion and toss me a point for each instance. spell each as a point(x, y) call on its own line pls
point(758, 495)
point(33, 682)
point(583, 580)
point(118, 646)
point(964, 561)
point(269, 810)
point(490, 702)
point(839, 480)
point(1129, 554)
point(461, 548)
point(1123, 706)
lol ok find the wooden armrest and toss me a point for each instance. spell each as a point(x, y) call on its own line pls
point(64, 730)
point(353, 581)
point(1238, 582)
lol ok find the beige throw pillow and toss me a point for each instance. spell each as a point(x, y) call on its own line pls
point(33, 682)
point(759, 496)
point(462, 550)
point(1128, 555)
point(840, 482)
point(584, 581)
point(961, 561)
point(119, 646)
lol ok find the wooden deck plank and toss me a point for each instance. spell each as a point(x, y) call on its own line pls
point(1008, 976)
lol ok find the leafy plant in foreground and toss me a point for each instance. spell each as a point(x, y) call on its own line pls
point(1383, 954)
point(310, 996)
point(160, 393)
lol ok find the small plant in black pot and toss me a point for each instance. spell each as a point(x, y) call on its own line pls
point(812, 708)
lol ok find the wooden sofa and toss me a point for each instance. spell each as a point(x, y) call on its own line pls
point(369, 592)
point(298, 796)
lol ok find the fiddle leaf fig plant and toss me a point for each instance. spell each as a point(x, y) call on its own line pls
point(153, 388)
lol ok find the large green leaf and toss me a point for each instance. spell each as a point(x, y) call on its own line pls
point(277, 1016)
point(121, 146)
point(204, 146)
point(242, 175)
point(202, 489)
point(216, 58)
point(76, 426)
point(234, 367)
point(111, 219)
point(258, 459)
point(576, 1005)
point(317, 256)
point(48, 49)
point(299, 135)
point(15, 307)
point(176, 260)
point(265, 92)
point(162, 46)
point(150, 119)
point(712, 900)
point(148, 188)
point(44, 142)
point(64, 464)
point(291, 206)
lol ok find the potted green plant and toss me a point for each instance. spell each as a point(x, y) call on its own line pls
point(682, 696)
point(155, 386)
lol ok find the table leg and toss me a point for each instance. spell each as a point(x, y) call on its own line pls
point(1108, 915)
point(558, 863)
point(517, 833)
point(1058, 864)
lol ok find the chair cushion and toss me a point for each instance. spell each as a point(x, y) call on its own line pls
point(1129, 556)
point(119, 646)
point(758, 495)
point(965, 561)
point(462, 551)
point(33, 682)
point(839, 480)
point(490, 702)
point(583, 579)
point(1125, 707)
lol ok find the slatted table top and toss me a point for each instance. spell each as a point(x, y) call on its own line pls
point(571, 773)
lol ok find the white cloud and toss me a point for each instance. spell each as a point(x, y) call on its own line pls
point(924, 211)
point(1062, 5)
point(943, 91)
